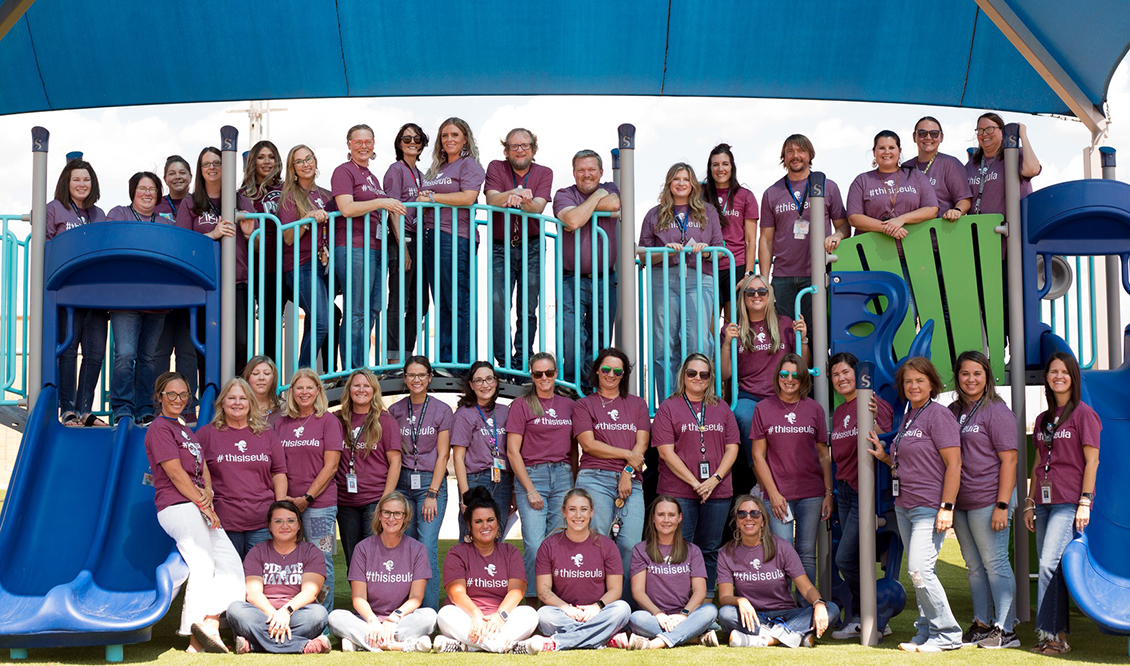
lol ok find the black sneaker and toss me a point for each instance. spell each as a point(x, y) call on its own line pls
point(999, 638)
point(976, 633)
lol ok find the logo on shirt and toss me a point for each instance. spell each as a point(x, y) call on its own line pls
point(760, 337)
point(356, 432)
point(756, 564)
point(490, 421)
point(847, 420)
point(614, 414)
point(242, 446)
point(185, 435)
point(791, 417)
point(578, 559)
point(388, 565)
point(318, 202)
point(973, 427)
point(889, 183)
point(917, 432)
point(299, 430)
point(551, 413)
point(275, 574)
point(491, 570)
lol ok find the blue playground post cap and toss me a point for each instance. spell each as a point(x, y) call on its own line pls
point(816, 184)
point(864, 371)
point(615, 158)
point(1011, 136)
point(627, 136)
point(229, 138)
point(74, 155)
point(1107, 154)
point(39, 139)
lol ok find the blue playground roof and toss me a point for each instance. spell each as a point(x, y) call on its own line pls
point(62, 54)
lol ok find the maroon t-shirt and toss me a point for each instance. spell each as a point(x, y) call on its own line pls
point(305, 441)
point(1082, 428)
point(792, 433)
point(844, 432)
point(992, 198)
point(652, 236)
point(403, 183)
point(128, 214)
point(791, 255)
point(475, 432)
point(614, 422)
point(571, 197)
point(990, 430)
point(242, 465)
point(62, 218)
point(425, 421)
point(921, 470)
point(578, 569)
point(871, 192)
point(546, 438)
point(370, 467)
point(764, 584)
point(320, 199)
point(462, 175)
point(268, 203)
point(500, 178)
point(206, 222)
point(756, 368)
point(167, 208)
point(734, 214)
point(676, 425)
point(947, 175)
point(388, 573)
point(668, 585)
point(487, 577)
point(349, 178)
point(165, 439)
point(282, 574)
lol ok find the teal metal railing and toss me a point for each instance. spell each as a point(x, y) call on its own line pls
point(13, 311)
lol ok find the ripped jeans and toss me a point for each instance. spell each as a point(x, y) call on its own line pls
point(320, 530)
point(936, 624)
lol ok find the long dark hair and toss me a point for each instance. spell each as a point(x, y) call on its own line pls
point(286, 505)
point(679, 548)
point(891, 134)
point(468, 398)
point(200, 202)
point(63, 187)
point(963, 401)
point(594, 371)
point(979, 154)
point(398, 147)
point(1049, 395)
point(710, 189)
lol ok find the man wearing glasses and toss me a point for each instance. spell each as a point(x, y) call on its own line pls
point(518, 183)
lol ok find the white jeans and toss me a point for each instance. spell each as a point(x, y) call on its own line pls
point(520, 625)
point(215, 573)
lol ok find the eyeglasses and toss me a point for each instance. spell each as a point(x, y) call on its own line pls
point(785, 374)
point(417, 375)
point(412, 139)
point(484, 381)
point(933, 134)
point(385, 513)
point(540, 374)
point(609, 370)
point(211, 165)
point(760, 291)
point(147, 190)
point(171, 396)
point(309, 160)
point(742, 515)
point(704, 375)
point(519, 146)
point(362, 143)
point(279, 522)
point(988, 131)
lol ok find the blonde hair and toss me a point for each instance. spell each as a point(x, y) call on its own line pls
point(394, 496)
point(531, 396)
point(746, 337)
point(292, 190)
point(768, 545)
point(255, 420)
point(320, 401)
point(371, 426)
point(667, 200)
point(709, 397)
point(439, 157)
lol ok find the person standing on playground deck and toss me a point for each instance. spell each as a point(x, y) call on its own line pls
point(542, 453)
point(358, 194)
point(178, 177)
point(575, 206)
point(262, 376)
point(183, 496)
point(925, 460)
point(176, 332)
point(1061, 491)
point(313, 441)
point(454, 179)
point(986, 500)
point(517, 182)
point(387, 580)
point(478, 440)
point(669, 585)
point(985, 169)
point(737, 212)
point(73, 206)
point(681, 221)
point(892, 196)
point(402, 182)
point(785, 220)
point(844, 453)
point(425, 444)
point(370, 463)
point(248, 465)
point(792, 460)
point(283, 577)
point(263, 187)
point(697, 438)
point(945, 172)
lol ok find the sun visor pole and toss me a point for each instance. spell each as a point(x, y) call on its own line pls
point(626, 315)
point(229, 138)
point(865, 422)
point(818, 343)
point(35, 259)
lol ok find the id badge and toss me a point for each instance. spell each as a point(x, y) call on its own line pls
point(800, 229)
point(496, 469)
point(788, 514)
point(704, 470)
point(895, 487)
point(147, 479)
point(351, 483)
point(1045, 492)
point(415, 482)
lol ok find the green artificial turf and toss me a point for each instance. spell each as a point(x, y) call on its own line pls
point(1089, 645)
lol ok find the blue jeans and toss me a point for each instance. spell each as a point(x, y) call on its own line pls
point(409, 312)
point(668, 327)
point(319, 311)
point(788, 626)
point(353, 340)
point(935, 624)
point(579, 317)
point(89, 331)
point(529, 267)
point(743, 412)
point(500, 492)
point(572, 635)
point(991, 583)
point(703, 524)
point(318, 526)
point(354, 523)
point(603, 485)
point(847, 551)
point(1055, 528)
point(425, 532)
point(243, 542)
point(136, 336)
point(450, 305)
point(552, 481)
point(785, 290)
point(248, 621)
point(802, 531)
point(693, 626)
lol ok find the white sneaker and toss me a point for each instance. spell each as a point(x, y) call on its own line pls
point(619, 641)
point(421, 644)
point(742, 639)
point(638, 643)
point(849, 630)
point(347, 645)
point(708, 639)
point(538, 644)
point(909, 647)
point(446, 644)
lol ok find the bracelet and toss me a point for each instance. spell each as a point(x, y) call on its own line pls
point(531, 492)
point(600, 603)
point(1029, 508)
point(804, 341)
point(1029, 501)
point(1086, 503)
point(684, 611)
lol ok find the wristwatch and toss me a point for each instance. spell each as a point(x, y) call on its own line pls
point(1090, 496)
point(600, 603)
point(1003, 506)
point(684, 611)
point(503, 614)
point(289, 610)
point(947, 506)
point(309, 498)
point(628, 469)
point(432, 494)
point(718, 477)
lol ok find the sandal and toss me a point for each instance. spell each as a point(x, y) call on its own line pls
point(91, 421)
point(209, 639)
point(71, 419)
point(1055, 647)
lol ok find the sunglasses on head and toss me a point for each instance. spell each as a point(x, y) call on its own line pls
point(539, 374)
point(609, 370)
point(759, 291)
point(785, 374)
point(742, 515)
point(701, 374)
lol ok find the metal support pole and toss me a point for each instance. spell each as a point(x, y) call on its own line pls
point(616, 167)
point(865, 423)
point(627, 313)
point(35, 257)
point(229, 138)
point(1016, 346)
point(818, 343)
point(1113, 281)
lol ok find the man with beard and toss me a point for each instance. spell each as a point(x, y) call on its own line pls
point(574, 206)
point(518, 183)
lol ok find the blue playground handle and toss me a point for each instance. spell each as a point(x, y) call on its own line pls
point(796, 308)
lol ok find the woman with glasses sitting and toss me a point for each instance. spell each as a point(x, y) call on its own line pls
point(945, 172)
point(478, 440)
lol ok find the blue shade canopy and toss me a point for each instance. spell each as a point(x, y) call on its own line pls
point(69, 54)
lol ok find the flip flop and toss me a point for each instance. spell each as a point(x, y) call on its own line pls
point(70, 419)
point(93, 421)
point(211, 641)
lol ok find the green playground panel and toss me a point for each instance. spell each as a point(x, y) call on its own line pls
point(969, 252)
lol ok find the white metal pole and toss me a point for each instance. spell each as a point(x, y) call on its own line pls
point(865, 422)
point(818, 343)
point(1113, 283)
point(35, 257)
point(229, 138)
point(626, 266)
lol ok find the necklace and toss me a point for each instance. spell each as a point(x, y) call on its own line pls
point(606, 404)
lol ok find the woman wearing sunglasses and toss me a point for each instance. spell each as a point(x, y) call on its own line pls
point(697, 438)
point(478, 439)
point(792, 461)
point(613, 429)
point(425, 442)
point(985, 169)
point(386, 580)
point(402, 182)
point(754, 570)
point(945, 172)
point(925, 460)
point(539, 447)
